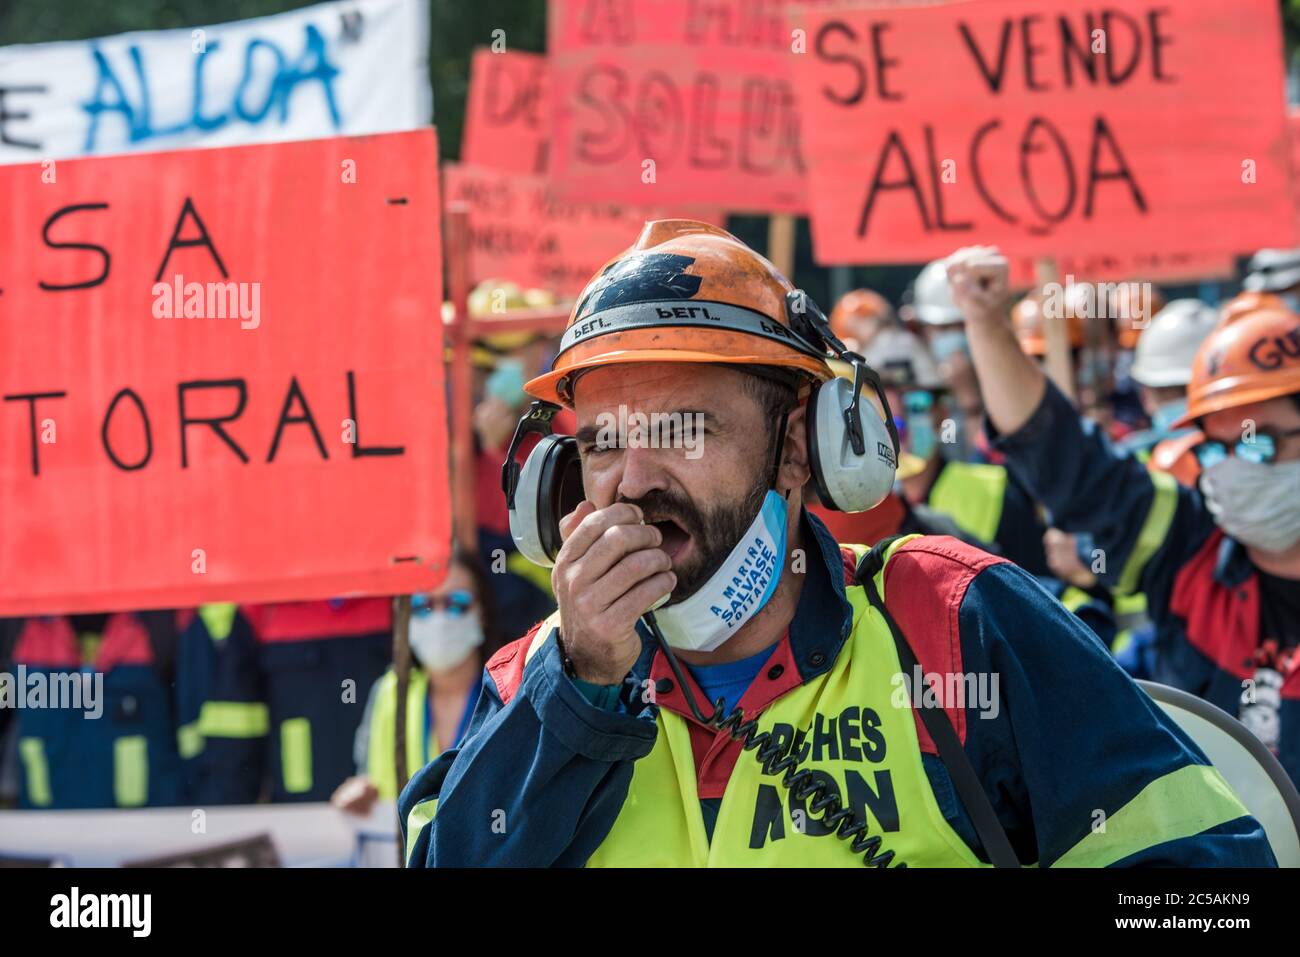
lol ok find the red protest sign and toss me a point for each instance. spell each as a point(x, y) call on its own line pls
point(1044, 124)
point(221, 375)
point(675, 101)
point(1167, 267)
point(507, 118)
point(1293, 129)
point(523, 231)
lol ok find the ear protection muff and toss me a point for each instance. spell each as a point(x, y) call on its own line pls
point(853, 467)
point(852, 451)
point(546, 488)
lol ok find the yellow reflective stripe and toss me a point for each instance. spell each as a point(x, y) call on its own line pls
point(189, 740)
point(130, 771)
point(295, 754)
point(541, 577)
point(218, 618)
point(1159, 517)
point(234, 719)
point(37, 769)
point(1123, 639)
point(1075, 598)
point(420, 815)
point(1180, 804)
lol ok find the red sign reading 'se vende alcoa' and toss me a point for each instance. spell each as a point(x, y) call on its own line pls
point(1044, 126)
point(221, 376)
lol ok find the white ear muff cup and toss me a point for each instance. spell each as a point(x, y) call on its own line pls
point(550, 487)
point(846, 481)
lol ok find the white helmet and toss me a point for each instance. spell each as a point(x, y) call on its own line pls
point(1273, 270)
point(931, 299)
point(902, 360)
point(1166, 348)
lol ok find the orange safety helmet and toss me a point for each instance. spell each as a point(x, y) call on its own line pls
point(859, 304)
point(1254, 359)
point(684, 292)
point(1027, 320)
point(1245, 303)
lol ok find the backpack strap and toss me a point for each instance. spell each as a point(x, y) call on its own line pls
point(969, 788)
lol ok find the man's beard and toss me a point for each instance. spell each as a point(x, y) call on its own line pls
point(713, 533)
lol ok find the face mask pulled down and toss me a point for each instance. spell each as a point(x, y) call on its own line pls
point(737, 591)
point(1257, 504)
point(440, 640)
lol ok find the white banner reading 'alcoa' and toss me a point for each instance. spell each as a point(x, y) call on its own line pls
point(336, 69)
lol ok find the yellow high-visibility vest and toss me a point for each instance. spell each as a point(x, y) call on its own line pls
point(972, 495)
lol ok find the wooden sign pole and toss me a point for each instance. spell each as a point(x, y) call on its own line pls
point(780, 243)
point(1060, 367)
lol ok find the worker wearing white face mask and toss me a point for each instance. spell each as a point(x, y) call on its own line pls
point(1162, 367)
point(1220, 565)
point(449, 638)
point(980, 498)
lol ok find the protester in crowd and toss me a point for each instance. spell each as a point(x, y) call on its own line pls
point(584, 748)
point(1220, 564)
point(859, 315)
point(979, 498)
point(116, 722)
point(452, 634)
point(930, 309)
point(1162, 367)
point(1277, 272)
point(287, 693)
point(1115, 396)
point(506, 359)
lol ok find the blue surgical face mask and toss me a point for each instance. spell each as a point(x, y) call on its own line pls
point(737, 591)
point(921, 437)
point(947, 343)
point(1163, 419)
point(507, 382)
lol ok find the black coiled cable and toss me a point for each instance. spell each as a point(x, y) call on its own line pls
point(801, 784)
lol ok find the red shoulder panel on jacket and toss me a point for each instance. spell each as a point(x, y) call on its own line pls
point(1222, 621)
point(507, 666)
point(47, 643)
point(925, 584)
point(126, 642)
point(319, 620)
